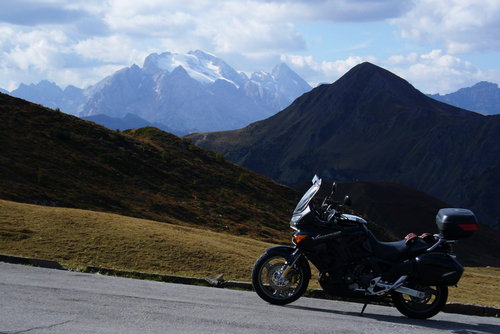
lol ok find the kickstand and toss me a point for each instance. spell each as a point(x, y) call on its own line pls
point(363, 310)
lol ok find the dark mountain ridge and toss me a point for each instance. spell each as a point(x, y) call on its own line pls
point(371, 125)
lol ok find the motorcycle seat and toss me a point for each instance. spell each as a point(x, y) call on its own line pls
point(396, 250)
point(390, 251)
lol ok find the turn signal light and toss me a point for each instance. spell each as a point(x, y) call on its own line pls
point(298, 238)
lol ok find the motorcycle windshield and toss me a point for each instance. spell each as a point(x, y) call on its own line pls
point(304, 201)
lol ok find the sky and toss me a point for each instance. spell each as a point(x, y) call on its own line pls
point(438, 46)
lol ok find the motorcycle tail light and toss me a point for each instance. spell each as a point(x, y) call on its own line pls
point(469, 227)
point(298, 238)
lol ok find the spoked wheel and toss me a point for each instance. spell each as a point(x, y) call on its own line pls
point(272, 285)
point(434, 300)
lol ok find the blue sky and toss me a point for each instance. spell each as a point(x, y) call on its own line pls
point(438, 46)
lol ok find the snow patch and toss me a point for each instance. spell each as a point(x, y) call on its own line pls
point(198, 67)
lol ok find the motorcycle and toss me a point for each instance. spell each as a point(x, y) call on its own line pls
point(352, 262)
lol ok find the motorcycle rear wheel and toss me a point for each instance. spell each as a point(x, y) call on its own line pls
point(270, 284)
point(427, 307)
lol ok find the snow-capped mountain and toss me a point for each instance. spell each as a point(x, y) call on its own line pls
point(194, 91)
point(199, 65)
point(184, 92)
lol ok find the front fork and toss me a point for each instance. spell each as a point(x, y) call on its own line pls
point(291, 261)
point(293, 257)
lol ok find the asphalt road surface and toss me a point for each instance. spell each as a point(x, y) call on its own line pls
point(39, 300)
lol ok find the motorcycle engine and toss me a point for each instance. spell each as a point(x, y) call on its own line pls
point(358, 277)
point(348, 282)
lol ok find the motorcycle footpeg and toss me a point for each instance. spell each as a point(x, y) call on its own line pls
point(384, 286)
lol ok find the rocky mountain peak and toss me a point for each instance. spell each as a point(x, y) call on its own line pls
point(486, 85)
point(281, 69)
point(369, 75)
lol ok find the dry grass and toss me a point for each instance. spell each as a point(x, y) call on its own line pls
point(478, 286)
point(77, 238)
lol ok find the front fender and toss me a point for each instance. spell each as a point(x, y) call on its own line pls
point(286, 252)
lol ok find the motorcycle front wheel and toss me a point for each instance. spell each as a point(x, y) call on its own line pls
point(424, 308)
point(271, 285)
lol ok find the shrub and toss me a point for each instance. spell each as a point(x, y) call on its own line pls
point(164, 156)
point(219, 157)
point(242, 178)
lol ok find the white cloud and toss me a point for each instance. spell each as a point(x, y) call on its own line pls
point(115, 49)
point(395, 60)
point(147, 19)
point(34, 50)
point(460, 25)
point(432, 72)
point(437, 72)
point(248, 26)
point(317, 72)
point(224, 26)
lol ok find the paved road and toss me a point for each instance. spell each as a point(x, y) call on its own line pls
point(38, 300)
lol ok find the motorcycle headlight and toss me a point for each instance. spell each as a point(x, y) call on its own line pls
point(297, 216)
point(295, 220)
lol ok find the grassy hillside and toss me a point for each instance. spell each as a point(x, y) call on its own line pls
point(51, 158)
point(77, 238)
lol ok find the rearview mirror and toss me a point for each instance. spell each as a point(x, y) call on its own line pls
point(347, 201)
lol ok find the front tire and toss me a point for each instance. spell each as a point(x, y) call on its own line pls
point(427, 307)
point(270, 284)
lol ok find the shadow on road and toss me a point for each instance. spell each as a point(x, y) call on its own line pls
point(456, 327)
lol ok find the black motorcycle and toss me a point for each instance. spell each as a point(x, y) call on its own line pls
point(416, 271)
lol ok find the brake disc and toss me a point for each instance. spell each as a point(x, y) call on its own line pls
point(276, 279)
